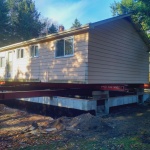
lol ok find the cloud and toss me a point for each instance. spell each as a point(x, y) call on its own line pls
point(65, 11)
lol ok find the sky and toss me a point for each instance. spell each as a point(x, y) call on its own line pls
point(64, 12)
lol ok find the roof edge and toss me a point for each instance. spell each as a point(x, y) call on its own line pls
point(135, 24)
point(44, 38)
point(92, 25)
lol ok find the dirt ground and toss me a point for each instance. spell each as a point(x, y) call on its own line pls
point(125, 128)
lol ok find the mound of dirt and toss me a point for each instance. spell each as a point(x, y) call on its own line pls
point(6, 109)
point(2, 106)
point(84, 122)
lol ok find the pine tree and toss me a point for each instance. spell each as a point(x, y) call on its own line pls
point(4, 23)
point(25, 20)
point(76, 24)
point(53, 29)
point(12, 6)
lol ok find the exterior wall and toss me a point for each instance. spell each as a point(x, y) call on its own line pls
point(110, 53)
point(47, 68)
point(117, 54)
point(2, 69)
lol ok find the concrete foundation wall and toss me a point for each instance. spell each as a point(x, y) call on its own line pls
point(117, 101)
point(80, 104)
point(87, 105)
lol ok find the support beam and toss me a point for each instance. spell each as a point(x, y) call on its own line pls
point(98, 95)
point(39, 93)
point(45, 85)
point(27, 94)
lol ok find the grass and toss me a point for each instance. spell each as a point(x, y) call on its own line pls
point(76, 145)
point(128, 143)
point(120, 143)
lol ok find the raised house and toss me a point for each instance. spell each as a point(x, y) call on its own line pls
point(112, 51)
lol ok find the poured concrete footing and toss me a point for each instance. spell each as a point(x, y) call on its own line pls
point(88, 105)
point(123, 100)
point(80, 104)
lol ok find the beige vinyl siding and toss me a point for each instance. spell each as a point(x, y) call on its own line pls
point(117, 54)
point(47, 68)
point(2, 69)
point(65, 69)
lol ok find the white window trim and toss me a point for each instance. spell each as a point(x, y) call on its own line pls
point(65, 56)
point(34, 51)
point(17, 53)
point(4, 62)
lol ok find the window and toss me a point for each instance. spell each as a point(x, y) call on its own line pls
point(20, 53)
point(34, 51)
point(2, 62)
point(64, 47)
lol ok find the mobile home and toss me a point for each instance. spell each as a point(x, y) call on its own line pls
point(112, 51)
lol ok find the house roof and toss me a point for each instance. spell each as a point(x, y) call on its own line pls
point(45, 38)
point(92, 25)
point(76, 30)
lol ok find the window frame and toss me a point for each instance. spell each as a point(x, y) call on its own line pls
point(70, 55)
point(34, 51)
point(19, 53)
point(2, 65)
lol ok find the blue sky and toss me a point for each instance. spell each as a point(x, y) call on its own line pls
point(65, 11)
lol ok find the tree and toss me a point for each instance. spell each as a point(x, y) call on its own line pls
point(123, 7)
point(53, 29)
point(4, 23)
point(50, 26)
point(28, 25)
point(47, 22)
point(140, 10)
point(24, 20)
point(76, 24)
point(13, 13)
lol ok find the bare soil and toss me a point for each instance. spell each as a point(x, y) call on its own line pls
point(125, 128)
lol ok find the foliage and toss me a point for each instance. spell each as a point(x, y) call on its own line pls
point(26, 20)
point(47, 23)
point(12, 6)
point(52, 29)
point(76, 24)
point(50, 26)
point(140, 10)
point(21, 19)
point(4, 22)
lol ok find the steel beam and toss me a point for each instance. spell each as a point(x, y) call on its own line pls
point(27, 86)
point(23, 86)
point(28, 94)
point(40, 93)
